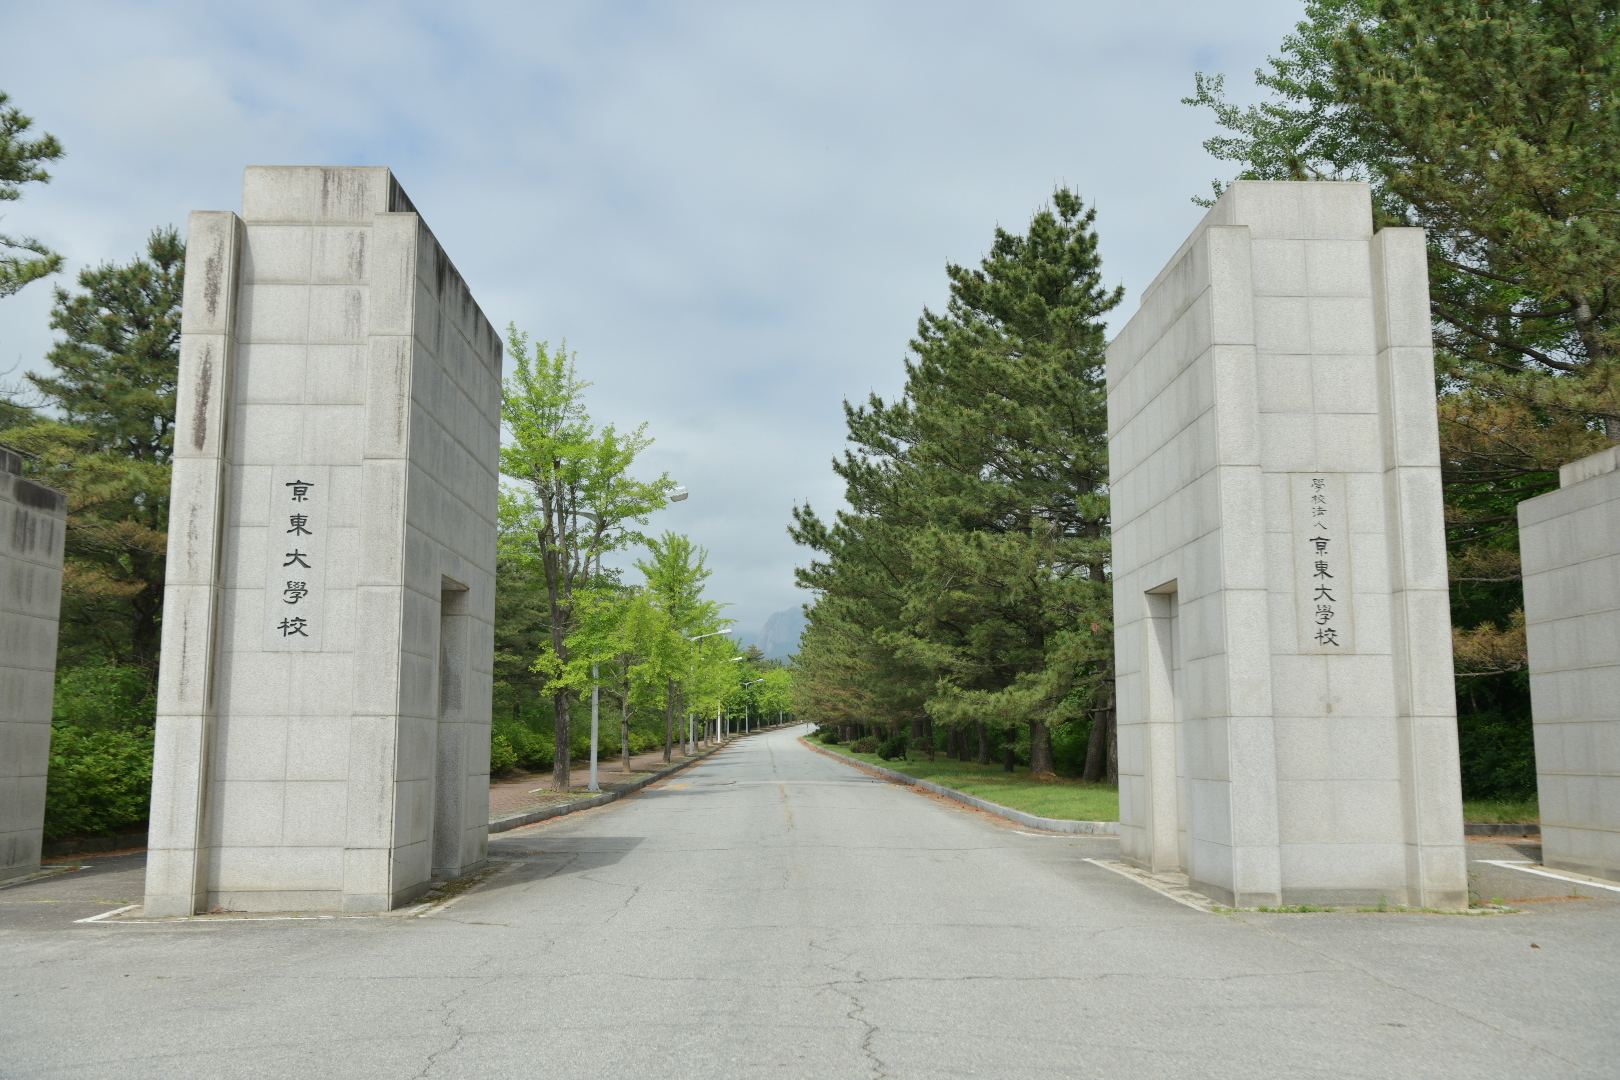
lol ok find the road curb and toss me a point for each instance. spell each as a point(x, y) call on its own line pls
point(1489, 828)
point(1060, 825)
point(93, 844)
point(517, 821)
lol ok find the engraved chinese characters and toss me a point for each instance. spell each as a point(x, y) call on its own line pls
point(295, 559)
point(1321, 538)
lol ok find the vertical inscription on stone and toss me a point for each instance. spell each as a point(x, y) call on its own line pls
point(295, 560)
point(1322, 564)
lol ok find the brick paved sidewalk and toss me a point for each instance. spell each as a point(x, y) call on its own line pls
point(514, 795)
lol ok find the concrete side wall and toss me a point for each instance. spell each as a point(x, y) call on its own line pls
point(448, 589)
point(1279, 350)
point(357, 522)
point(1572, 616)
point(193, 594)
point(32, 530)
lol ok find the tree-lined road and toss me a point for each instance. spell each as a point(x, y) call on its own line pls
point(771, 912)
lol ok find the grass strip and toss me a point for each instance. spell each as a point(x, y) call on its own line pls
point(1075, 800)
point(1062, 798)
point(1502, 811)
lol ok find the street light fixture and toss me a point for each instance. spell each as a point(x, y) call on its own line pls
point(746, 705)
point(719, 707)
point(690, 745)
point(596, 690)
point(678, 495)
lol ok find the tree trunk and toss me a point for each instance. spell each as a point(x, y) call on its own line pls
point(928, 734)
point(1112, 773)
point(952, 745)
point(669, 720)
point(984, 742)
point(1098, 746)
point(1012, 753)
point(1040, 749)
point(624, 727)
point(914, 740)
point(145, 633)
point(562, 765)
point(1597, 351)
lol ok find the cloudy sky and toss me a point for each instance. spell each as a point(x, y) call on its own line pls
point(734, 212)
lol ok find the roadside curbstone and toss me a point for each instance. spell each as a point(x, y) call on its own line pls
point(1482, 828)
point(1062, 825)
point(91, 844)
point(517, 821)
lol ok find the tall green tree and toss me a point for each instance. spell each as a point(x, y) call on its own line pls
point(775, 694)
point(109, 448)
point(675, 572)
point(522, 614)
point(624, 645)
point(1495, 126)
point(575, 497)
point(976, 546)
point(22, 161)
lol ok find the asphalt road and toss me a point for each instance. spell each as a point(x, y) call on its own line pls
point(773, 913)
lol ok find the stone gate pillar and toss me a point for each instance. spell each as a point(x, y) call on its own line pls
point(1570, 543)
point(324, 696)
point(33, 522)
point(1287, 728)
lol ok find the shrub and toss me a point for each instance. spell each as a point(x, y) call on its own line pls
point(531, 749)
point(868, 745)
point(103, 696)
point(829, 737)
point(502, 756)
point(1069, 744)
point(1498, 755)
point(893, 748)
point(99, 782)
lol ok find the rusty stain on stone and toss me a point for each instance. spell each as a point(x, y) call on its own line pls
point(213, 284)
point(199, 419)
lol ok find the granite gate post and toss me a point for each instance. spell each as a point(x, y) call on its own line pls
point(33, 526)
point(1569, 541)
point(324, 696)
point(1287, 728)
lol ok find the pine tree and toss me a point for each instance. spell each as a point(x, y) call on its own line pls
point(114, 390)
point(1495, 126)
point(976, 548)
point(22, 162)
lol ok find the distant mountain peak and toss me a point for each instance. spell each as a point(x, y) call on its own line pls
point(780, 638)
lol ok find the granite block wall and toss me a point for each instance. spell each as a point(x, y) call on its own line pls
point(1569, 541)
point(1287, 726)
point(324, 697)
point(33, 522)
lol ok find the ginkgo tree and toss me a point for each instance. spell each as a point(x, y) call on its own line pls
point(675, 571)
point(570, 497)
point(624, 645)
point(775, 692)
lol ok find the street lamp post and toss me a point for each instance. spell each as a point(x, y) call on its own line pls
point(691, 745)
point(678, 495)
point(719, 706)
point(745, 686)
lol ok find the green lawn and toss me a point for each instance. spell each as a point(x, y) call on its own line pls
point(1502, 811)
point(1073, 800)
point(1070, 800)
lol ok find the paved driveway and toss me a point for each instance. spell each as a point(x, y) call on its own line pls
point(773, 913)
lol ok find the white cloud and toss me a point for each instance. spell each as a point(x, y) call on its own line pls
point(733, 211)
